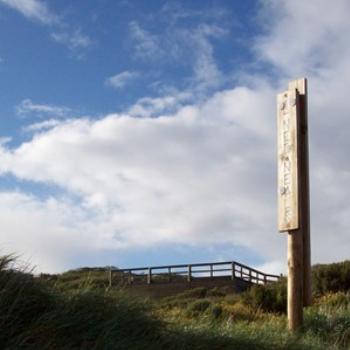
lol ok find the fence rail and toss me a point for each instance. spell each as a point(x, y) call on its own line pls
point(190, 272)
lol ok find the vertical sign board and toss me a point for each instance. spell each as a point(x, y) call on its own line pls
point(293, 195)
point(288, 179)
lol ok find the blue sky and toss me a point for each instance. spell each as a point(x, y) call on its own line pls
point(111, 32)
point(143, 132)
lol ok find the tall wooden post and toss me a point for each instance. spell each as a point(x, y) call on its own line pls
point(295, 280)
point(149, 276)
point(189, 273)
point(293, 196)
point(233, 270)
point(301, 86)
point(110, 277)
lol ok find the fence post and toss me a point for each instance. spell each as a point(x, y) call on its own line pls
point(189, 275)
point(169, 273)
point(149, 276)
point(211, 271)
point(233, 268)
point(110, 277)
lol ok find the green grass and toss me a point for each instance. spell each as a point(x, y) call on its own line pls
point(77, 310)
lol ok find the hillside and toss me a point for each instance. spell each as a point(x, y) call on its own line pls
point(77, 310)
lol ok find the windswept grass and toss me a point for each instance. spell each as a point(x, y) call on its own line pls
point(77, 310)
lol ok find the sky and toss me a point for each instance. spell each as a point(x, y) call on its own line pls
point(137, 133)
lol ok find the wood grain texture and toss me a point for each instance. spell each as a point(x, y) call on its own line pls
point(295, 280)
point(294, 196)
point(288, 167)
point(301, 86)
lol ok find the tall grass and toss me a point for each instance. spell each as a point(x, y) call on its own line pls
point(77, 311)
point(34, 316)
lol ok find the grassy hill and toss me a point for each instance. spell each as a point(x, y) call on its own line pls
point(77, 310)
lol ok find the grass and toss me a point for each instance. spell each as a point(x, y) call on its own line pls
point(77, 310)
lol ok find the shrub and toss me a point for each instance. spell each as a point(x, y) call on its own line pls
point(270, 297)
point(331, 277)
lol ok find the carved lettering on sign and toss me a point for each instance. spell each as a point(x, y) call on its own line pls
point(288, 196)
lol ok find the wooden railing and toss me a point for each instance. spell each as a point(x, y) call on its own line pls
point(189, 272)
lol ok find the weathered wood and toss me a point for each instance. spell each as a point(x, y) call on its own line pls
point(189, 275)
point(295, 280)
point(149, 276)
point(231, 269)
point(293, 196)
point(288, 179)
point(110, 277)
point(301, 86)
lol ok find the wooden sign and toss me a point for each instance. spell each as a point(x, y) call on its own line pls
point(288, 179)
point(293, 195)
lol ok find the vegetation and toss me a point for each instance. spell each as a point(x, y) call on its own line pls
point(78, 310)
point(331, 277)
point(269, 298)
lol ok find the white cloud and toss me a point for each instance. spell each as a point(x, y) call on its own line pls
point(27, 107)
point(49, 234)
point(190, 177)
point(152, 107)
point(206, 71)
point(203, 172)
point(146, 45)
point(46, 124)
point(175, 12)
point(119, 80)
point(298, 41)
point(33, 9)
point(186, 46)
point(75, 40)
point(64, 34)
point(5, 140)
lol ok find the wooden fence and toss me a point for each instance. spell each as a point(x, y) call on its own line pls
point(190, 272)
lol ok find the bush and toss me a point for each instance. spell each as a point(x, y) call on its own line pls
point(270, 297)
point(331, 277)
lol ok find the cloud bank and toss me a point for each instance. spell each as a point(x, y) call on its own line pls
point(203, 173)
